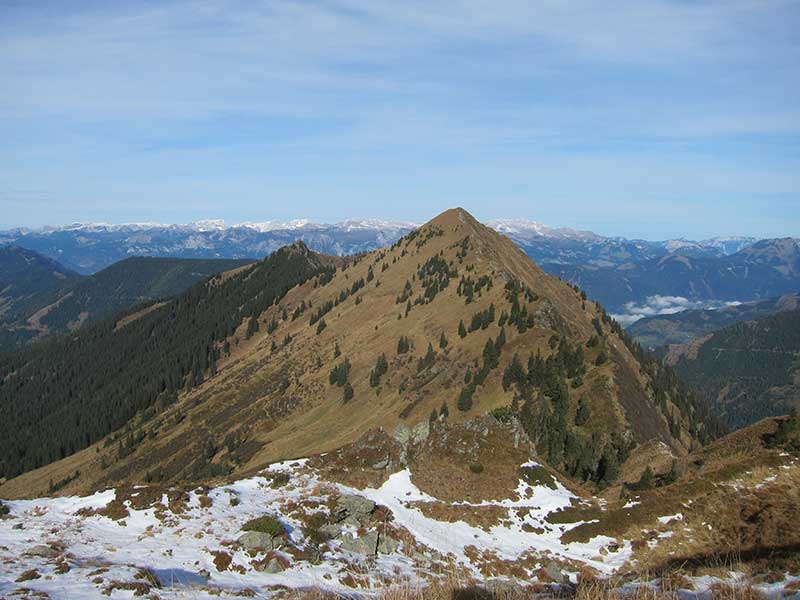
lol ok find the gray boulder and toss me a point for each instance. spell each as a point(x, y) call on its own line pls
point(331, 530)
point(256, 540)
point(554, 572)
point(366, 545)
point(42, 551)
point(387, 544)
point(273, 566)
point(352, 509)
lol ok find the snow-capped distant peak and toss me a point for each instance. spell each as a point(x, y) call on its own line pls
point(208, 224)
point(526, 229)
point(375, 224)
point(519, 226)
point(679, 244)
point(99, 227)
point(266, 226)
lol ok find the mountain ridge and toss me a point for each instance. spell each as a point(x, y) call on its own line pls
point(275, 383)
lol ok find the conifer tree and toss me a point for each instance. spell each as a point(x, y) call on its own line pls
point(442, 341)
point(646, 480)
point(403, 345)
point(252, 327)
point(462, 331)
point(321, 326)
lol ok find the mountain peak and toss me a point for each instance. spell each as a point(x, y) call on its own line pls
point(453, 217)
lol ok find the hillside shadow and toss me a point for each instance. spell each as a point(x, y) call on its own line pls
point(473, 593)
point(771, 554)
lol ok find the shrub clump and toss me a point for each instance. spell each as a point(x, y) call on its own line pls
point(266, 524)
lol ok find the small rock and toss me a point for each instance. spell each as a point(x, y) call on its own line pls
point(256, 540)
point(553, 571)
point(42, 551)
point(381, 464)
point(366, 544)
point(273, 565)
point(331, 530)
point(421, 432)
point(387, 544)
point(402, 434)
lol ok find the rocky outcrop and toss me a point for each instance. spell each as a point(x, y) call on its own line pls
point(410, 438)
point(352, 509)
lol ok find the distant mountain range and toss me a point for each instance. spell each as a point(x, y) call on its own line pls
point(765, 269)
point(549, 246)
point(88, 247)
point(632, 278)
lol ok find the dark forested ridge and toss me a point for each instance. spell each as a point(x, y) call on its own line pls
point(64, 394)
point(131, 282)
point(749, 370)
point(27, 280)
point(44, 298)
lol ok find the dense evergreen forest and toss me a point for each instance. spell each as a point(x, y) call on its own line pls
point(130, 282)
point(748, 371)
point(42, 298)
point(66, 393)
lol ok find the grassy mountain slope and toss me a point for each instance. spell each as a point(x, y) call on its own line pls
point(748, 370)
point(60, 396)
point(378, 345)
point(59, 304)
point(683, 327)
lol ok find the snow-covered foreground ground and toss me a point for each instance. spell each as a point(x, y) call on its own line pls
point(189, 549)
point(68, 552)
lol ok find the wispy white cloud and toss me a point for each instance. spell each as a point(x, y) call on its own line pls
point(633, 96)
point(664, 305)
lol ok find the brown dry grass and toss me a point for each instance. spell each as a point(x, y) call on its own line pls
point(460, 589)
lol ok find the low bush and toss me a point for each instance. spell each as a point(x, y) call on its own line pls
point(266, 524)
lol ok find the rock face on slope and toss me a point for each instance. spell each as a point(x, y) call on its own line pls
point(450, 322)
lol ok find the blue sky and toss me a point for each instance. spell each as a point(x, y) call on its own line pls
point(639, 117)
